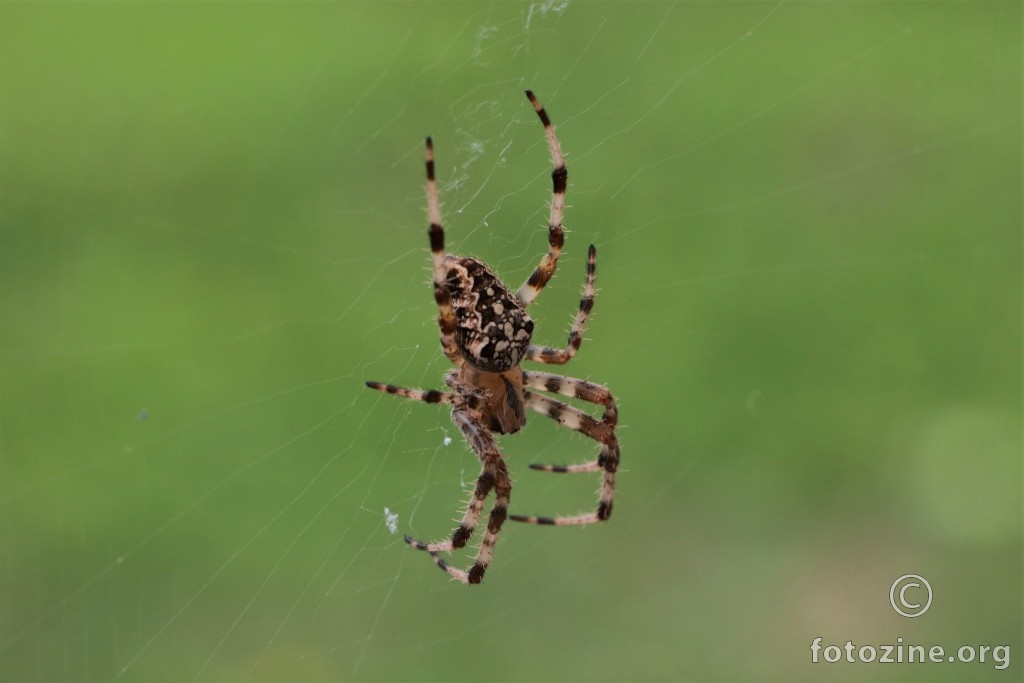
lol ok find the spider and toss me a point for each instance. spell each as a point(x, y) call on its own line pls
point(485, 333)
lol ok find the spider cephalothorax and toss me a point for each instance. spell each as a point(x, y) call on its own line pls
point(486, 333)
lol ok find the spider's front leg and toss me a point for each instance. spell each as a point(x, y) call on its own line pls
point(445, 314)
point(556, 233)
point(554, 356)
point(493, 476)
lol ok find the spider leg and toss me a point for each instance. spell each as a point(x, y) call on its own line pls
point(607, 461)
point(597, 394)
point(429, 396)
point(552, 356)
point(445, 313)
point(493, 476)
point(463, 532)
point(556, 236)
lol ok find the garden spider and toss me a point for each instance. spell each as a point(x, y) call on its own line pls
point(485, 333)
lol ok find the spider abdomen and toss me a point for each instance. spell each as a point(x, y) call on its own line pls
point(493, 329)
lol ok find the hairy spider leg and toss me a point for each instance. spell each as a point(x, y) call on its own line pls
point(556, 236)
point(553, 356)
point(493, 475)
point(445, 313)
point(590, 392)
point(429, 395)
point(602, 431)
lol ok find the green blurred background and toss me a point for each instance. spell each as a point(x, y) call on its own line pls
point(808, 221)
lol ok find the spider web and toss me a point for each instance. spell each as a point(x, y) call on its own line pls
point(214, 233)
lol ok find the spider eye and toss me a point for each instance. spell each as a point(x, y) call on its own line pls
point(529, 326)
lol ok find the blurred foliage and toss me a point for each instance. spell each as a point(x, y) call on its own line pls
point(808, 221)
